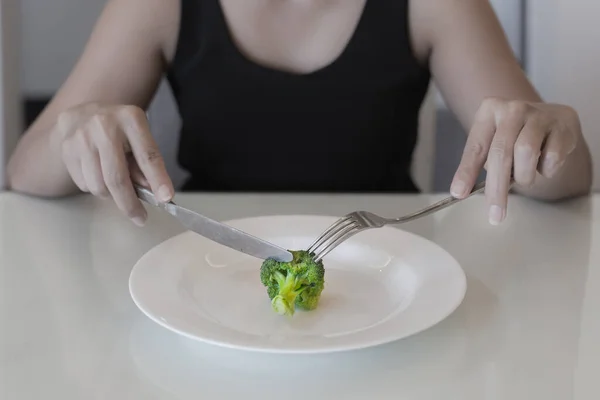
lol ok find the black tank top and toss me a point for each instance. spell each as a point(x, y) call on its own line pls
point(350, 126)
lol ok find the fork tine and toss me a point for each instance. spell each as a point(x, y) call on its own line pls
point(332, 230)
point(342, 236)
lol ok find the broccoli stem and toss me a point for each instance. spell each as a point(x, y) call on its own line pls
point(290, 286)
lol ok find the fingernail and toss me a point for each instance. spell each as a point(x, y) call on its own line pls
point(496, 215)
point(556, 168)
point(458, 189)
point(550, 165)
point(164, 193)
point(139, 221)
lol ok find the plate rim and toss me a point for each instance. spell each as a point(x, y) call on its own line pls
point(316, 349)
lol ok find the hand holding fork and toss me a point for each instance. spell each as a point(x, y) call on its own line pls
point(358, 221)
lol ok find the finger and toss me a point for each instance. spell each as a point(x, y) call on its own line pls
point(500, 163)
point(92, 173)
point(474, 154)
point(117, 179)
point(559, 144)
point(528, 149)
point(73, 166)
point(136, 173)
point(67, 121)
point(147, 154)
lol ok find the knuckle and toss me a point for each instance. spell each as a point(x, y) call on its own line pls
point(63, 116)
point(491, 103)
point(498, 145)
point(132, 111)
point(496, 152)
point(91, 107)
point(476, 150)
point(499, 150)
point(524, 179)
point(538, 122)
point(569, 112)
point(100, 120)
point(525, 147)
point(517, 108)
point(103, 129)
point(63, 121)
point(81, 141)
point(105, 137)
point(133, 116)
point(152, 156)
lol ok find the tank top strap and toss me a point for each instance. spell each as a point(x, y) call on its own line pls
point(189, 48)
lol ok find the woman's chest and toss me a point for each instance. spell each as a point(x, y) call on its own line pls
point(294, 36)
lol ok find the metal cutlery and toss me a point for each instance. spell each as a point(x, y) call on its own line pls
point(216, 231)
point(358, 221)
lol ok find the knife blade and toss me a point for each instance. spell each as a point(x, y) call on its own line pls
point(216, 231)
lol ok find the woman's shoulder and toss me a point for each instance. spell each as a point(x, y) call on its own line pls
point(430, 20)
point(157, 21)
point(419, 21)
point(168, 25)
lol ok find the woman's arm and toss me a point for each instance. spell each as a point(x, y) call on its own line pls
point(121, 64)
point(483, 84)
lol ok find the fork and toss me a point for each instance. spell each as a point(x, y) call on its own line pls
point(358, 221)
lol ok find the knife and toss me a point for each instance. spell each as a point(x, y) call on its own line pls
point(216, 231)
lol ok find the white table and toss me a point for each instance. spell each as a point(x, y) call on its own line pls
point(529, 327)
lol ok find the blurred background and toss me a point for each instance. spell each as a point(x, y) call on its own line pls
point(555, 40)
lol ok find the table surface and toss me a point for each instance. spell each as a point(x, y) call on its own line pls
point(529, 326)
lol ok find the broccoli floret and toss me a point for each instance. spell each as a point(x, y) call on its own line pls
point(297, 283)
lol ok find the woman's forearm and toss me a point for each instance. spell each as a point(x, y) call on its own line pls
point(36, 167)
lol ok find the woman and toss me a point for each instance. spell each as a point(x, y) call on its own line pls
point(297, 96)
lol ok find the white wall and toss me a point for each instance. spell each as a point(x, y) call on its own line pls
point(509, 14)
point(10, 99)
point(564, 60)
point(53, 35)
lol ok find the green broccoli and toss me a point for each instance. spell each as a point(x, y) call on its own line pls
point(297, 283)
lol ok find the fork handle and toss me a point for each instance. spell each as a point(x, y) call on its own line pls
point(480, 187)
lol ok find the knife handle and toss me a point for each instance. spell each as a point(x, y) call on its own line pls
point(147, 196)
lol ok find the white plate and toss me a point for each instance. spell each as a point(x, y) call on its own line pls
point(381, 285)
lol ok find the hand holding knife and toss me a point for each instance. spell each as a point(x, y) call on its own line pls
point(216, 231)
